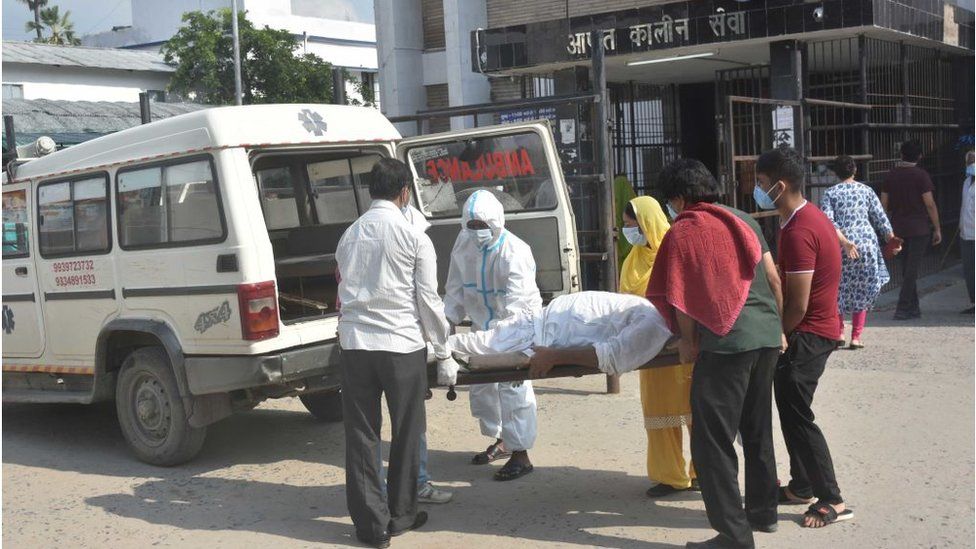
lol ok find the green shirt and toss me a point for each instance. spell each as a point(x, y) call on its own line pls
point(759, 325)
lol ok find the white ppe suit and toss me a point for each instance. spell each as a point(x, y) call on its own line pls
point(489, 280)
point(626, 331)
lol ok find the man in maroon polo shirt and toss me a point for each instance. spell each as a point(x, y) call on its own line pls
point(906, 195)
point(809, 261)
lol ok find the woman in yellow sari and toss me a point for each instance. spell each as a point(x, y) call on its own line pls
point(665, 392)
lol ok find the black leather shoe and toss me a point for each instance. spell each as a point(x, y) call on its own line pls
point(381, 542)
point(765, 528)
point(418, 521)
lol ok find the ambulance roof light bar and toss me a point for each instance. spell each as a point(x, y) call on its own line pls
point(675, 58)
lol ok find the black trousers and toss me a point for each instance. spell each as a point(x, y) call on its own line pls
point(366, 376)
point(913, 251)
point(733, 393)
point(797, 375)
point(969, 266)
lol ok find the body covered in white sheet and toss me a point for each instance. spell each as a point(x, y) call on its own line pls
point(625, 331)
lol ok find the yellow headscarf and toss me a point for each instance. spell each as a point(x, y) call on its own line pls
point(636, 270)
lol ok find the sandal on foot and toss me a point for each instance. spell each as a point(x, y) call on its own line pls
point(856, 344)
point(512, 471)
point(493, 453)
point(789, 498)
point(825, 513)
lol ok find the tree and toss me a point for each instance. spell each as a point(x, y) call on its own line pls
point(271, 72)
point(60, 26)
point(35, 6)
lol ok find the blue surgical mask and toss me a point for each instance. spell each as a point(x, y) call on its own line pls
point(634, 236)
point(671, 211)
point(484, 236)
point(969, 169)
point(762, 198)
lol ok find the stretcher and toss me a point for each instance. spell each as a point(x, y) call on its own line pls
point(507, 367)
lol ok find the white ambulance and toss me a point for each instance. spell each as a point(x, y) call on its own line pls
point(185, 268)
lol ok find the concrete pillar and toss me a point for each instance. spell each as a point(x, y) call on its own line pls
point(399, 50)
point(465, 87)
point(786, 70)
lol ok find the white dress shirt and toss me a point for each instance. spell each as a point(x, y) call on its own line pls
point(626, 331)
point(966, 230)
point(389, 286)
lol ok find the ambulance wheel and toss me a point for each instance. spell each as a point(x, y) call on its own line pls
point(151, 411)
point(325, 406)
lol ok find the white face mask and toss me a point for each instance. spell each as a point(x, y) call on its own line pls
point(634, 236)
point(484, 236)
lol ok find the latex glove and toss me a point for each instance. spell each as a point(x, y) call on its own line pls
point(447, 370)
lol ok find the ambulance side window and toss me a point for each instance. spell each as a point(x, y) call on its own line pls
point(15, 224)
point(73, 217)
point(170, 204)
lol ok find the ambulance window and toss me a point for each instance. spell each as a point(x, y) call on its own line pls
point(278, 198)
point(15, 225)
point(512, 167)
point(169, 205)
point(332, 191)
point(73, 217)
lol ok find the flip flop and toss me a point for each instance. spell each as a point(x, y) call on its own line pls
point(512, 471)
point(493, 453)
point(827, 514)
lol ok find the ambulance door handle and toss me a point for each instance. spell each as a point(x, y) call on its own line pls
point(20, 271)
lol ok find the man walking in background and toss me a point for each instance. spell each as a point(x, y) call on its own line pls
point(967, 233)
point(906, 195)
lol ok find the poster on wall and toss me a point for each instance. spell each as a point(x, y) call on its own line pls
point(783, 127)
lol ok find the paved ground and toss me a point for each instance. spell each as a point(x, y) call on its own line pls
point(899, 416)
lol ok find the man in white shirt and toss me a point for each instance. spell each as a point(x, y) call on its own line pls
point(390, 308)
point(967, 234)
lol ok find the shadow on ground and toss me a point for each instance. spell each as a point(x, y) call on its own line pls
point(554, 504)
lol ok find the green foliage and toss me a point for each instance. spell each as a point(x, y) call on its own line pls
point(271, 72)
point(365, 90)
point(35, 7)
point(60, 27)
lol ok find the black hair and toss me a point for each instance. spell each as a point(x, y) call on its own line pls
point(388, 178)
point(783, 164)
point(629, 210)
point(844, 166)
point(911, 150)
point(689, 179)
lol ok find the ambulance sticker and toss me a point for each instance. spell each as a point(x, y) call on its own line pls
point(312, 121)
point(8, 320)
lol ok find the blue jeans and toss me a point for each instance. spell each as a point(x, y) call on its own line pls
point(422, 477)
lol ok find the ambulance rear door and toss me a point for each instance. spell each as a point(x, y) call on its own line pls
point(519, 164)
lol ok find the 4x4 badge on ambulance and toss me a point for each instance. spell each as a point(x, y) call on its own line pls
point(312, 121)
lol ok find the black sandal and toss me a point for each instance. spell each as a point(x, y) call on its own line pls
point(512, 471)
point(827, 514)
point(493, 453)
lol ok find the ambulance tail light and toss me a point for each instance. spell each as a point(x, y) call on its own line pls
point(259, 310)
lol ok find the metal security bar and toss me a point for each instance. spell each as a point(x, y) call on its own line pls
point(646, 135)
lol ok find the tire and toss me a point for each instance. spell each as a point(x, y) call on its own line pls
point(151, 412)
point(325, 406)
